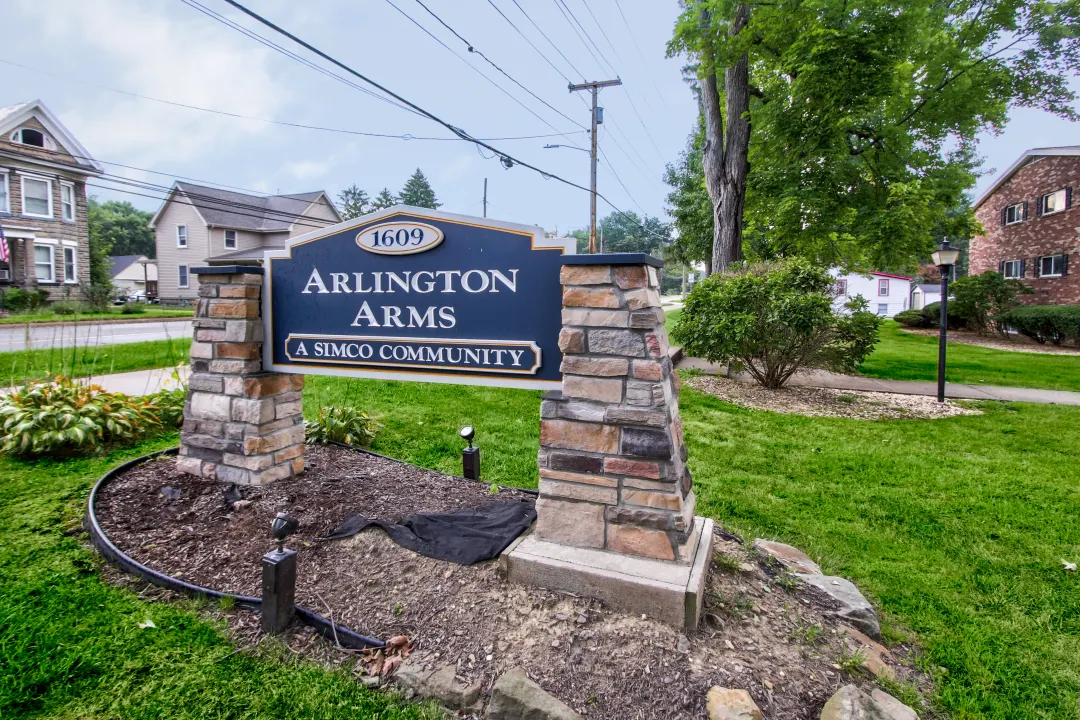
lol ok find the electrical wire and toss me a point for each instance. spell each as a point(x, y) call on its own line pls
point(530, 42)
point(550, 42)
point(641, 55)
point(560, 5)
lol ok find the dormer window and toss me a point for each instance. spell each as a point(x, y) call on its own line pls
point(32, 137)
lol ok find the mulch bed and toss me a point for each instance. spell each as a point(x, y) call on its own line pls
point(756, 633)
point(1014, 343)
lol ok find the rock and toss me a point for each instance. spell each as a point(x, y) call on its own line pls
point(851, 703)
point(683, 644)
point(170, 493)
point(790, 557)
point(241, 504)
point(854, 608)
point(724, 704)
point(874, 653)
point(440, 684)
point(515, 697)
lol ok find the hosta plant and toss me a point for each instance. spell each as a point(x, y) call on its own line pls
point(63, 418)
point(341, 424)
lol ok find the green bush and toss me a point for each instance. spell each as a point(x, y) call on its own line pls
point(98, 297)
point(17, 300)
point(133, 308)
point(1046, 323)
point(982, 300)
point(773, 319)
point(341, 424)
point(65, 418)
point(932, 313)
point(912, 318)
point(68, 307)
point(168, 406)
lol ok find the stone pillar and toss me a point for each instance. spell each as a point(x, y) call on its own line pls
point(613, 469)
point(241, 424)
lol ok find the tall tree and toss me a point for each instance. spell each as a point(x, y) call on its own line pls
point(846, 128)
point(353, 202)
point(690, 206)
point(383, 200)
point(418, 193)
point(627, 232)
point(122, 227)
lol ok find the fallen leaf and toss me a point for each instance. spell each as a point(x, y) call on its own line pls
point(1069, 566)
point(390, 666)
point(398, 641)
point(148, 623)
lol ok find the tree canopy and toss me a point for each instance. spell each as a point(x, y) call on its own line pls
point(353, 202)
point(116, 228)
point(418, 192)
point(626, 232)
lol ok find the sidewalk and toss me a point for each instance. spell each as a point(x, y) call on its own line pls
point(141, 382)
point(821, 378)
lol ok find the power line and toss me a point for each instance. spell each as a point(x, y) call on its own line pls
point(641, 55)
point(557, 48)
point(530, 42)
point(561, 5)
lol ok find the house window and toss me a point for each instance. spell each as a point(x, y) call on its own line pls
point(67, 201)
point(1052, 265)
point(230, 239)
point(1014, 214)
point(37, 197)
point(29, 136)
point(181, 236)
point(883, 309)
point(71, 275)
point(1054, 202)
point(43, 263)
point(841, 287)
point(883, 286)
point(5, 203)
point(1012, 269)
point(182, 276)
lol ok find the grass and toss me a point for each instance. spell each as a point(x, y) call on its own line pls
point(71, 646)
point(114, 313)
point(904, 356)
point(22, 365)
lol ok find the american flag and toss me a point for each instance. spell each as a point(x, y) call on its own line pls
point(5, 254)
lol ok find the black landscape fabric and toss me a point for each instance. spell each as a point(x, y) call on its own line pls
point(467, 536)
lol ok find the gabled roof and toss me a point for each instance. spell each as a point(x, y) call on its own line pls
point(1026, 159)
point(13, 116)
point(889, 275)
point(120, 263)
point(240, 211)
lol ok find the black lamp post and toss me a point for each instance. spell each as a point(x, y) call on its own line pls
point(945, 258)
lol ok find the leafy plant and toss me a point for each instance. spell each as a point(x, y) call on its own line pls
point(18, 300)
point(64, 418)
point(912, 318)
point(134, 308)
point(168, 406)
point(341, 424)
point(1046, 323)
point(98, 296)
point(68, 307)
point(774, 319)
point(983, 300)
point(932, 313)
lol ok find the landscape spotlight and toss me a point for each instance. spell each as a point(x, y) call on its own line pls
point(282, 526)
point(470, 456)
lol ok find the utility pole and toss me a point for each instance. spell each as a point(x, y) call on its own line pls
point(485, 197)
point(594, 87)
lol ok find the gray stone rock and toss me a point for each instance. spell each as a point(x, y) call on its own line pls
point(646, 442)
point(515, 697)
point(790, 557)
point(854, 608)
point(616, 342)
point(851, 703)
point(441, 685)
point(725, 704)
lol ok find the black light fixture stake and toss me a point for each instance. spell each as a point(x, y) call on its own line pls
point(279, 577)
point(470, 456)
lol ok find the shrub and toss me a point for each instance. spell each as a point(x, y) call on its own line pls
point(65, 418)
point(18, 300)
point(773, 319)
point(1046, 323)
point(912, 318)
point(341, 424)
point(982, 300)
point(135, 308)
point(68, 307)
point(932, 313)
point(98, 297)
point(168, 406)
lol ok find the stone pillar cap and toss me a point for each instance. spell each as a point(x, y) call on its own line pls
point(613, 259)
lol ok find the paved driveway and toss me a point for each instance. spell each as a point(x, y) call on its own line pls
point(18, 337)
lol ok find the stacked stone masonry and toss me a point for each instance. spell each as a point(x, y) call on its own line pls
point(612, 457)
point(241, 424)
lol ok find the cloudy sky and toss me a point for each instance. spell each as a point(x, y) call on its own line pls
point(79, 52)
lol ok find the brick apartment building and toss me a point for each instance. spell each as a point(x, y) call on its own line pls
point(1032, 230)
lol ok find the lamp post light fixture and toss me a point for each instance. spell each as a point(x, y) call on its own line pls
point(945, 258)
point(470, 456)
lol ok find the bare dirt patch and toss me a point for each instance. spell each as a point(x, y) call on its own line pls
point(760, 631)
point(826, 402)
point(1014, 343)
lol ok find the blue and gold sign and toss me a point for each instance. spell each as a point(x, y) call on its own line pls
point(415, 294)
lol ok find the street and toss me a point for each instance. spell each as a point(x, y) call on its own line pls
point(19, 337)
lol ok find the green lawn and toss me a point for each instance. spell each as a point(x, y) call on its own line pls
point(22, 365)
point(71, 646)
point(904, 356)
point(114, 313)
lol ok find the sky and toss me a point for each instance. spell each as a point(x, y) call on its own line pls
point(169, 50)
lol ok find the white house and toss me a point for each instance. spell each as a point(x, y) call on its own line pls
point(134, 274)
point(923, 294)
point(887, 293)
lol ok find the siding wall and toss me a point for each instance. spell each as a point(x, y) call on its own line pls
point(867, 285)
point(170, 257)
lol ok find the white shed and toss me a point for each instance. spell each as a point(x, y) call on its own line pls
point(923, 294)
point(887, 293)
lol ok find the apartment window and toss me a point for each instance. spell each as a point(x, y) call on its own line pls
point(182, 276)
point(181, 236)
point(841, 287)
point(1013, 214)
point(37, 197)
point(67, 201)
point(71, 274)
point(5, 202)
point(1053, 265)
point(230, 239)
point(883, 309)
point(1054, 202)
point(30, 136)
point(1012, 269)
point(883, 286)
point(43, 263)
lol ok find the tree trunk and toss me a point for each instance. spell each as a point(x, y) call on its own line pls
point(725, 158)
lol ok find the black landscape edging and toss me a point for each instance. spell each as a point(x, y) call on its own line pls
point(327, 628)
